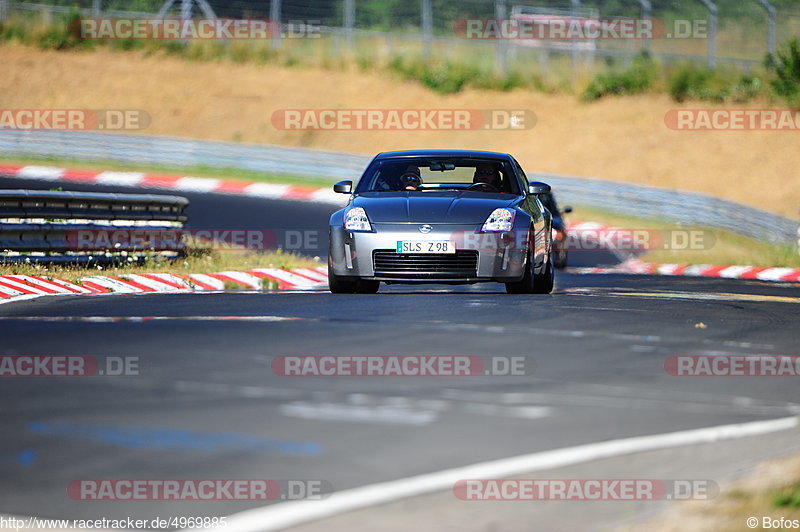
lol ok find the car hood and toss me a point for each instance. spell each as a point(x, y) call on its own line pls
point(446, 207)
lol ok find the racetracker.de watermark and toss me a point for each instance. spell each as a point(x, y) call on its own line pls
point(732, 366)
point(74, 119)
point(590, 239)
point(733, 119)
point(400, 365)
point(67, 366)
point(215, 489)
point(584, 489)
point(403, 119)
point(178, 239)
point(532, 27)
point(192, 29)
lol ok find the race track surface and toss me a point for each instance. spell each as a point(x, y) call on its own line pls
point(206, 403)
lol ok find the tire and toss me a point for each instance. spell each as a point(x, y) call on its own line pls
point(367, 287)
point(531, 282)
point(525, 285)
point(543, 283)
point(338, 284)
point(560, 259)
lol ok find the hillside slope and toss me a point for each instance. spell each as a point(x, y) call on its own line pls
point(617, 138)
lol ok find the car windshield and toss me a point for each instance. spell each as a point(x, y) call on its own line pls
point(435, 173)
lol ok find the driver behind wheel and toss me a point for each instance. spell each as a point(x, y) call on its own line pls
point(411, 179)
point(487, 173)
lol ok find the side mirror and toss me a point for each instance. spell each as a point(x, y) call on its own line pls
point(343, 187)
point(567, 209)
point(537, 187)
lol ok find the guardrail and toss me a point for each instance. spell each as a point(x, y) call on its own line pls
point(175, 151)
point(684, 208)
point(681, 207)
point(53, 221)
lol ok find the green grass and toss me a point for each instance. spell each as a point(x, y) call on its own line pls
point(195, 171)
point(196, 262)
point(788, 497)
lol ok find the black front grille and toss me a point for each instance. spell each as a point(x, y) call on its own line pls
point(462, 263)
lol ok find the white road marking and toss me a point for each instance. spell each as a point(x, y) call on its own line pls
point(294, 513)
point(358, 413)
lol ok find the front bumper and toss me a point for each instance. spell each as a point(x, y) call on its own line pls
point(480, 257)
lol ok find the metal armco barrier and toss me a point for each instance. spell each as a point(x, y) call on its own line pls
point(675, 206)
point(49, 221)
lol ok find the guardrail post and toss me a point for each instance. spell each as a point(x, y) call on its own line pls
point(427, 27)
point(3, 10)
point(500, 14)
point(712, 32)
point(96, 8)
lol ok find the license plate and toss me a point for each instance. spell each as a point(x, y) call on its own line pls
point(425, 246)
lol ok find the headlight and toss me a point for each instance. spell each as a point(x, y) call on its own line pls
point(356, 220)
point(499, 220)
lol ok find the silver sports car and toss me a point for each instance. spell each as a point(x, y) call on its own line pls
point(436, 216)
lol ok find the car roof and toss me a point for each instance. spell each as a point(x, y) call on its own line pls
point(443, 153)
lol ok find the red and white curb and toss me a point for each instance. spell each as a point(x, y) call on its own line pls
point(18, 287)
point(326, 195)
point(175, 183)
point(634, 266)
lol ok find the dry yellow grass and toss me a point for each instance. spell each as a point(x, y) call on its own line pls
point(739, 500)
point(215, 261)
point(616, 138)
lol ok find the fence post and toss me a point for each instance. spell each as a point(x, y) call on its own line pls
point(576, 6)
point(96, 8)
point(349, 21)
point(647, 8)
point(427, 27)
point(3, 10)
point(712, 32)
point(275, 19)
point(500, 14)
point(186, 9)
point(772, 13)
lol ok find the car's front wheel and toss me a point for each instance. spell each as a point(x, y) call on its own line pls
point(533, 283)
point(338, 284)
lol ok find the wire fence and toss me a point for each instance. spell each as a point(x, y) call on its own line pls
point(732, 33)
point(681, 207)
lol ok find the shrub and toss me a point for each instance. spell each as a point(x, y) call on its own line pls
point(687, 82)
point(701, 83)
point(446, 77)
point(636, 79)
point(62, 35)
point(786, 67)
